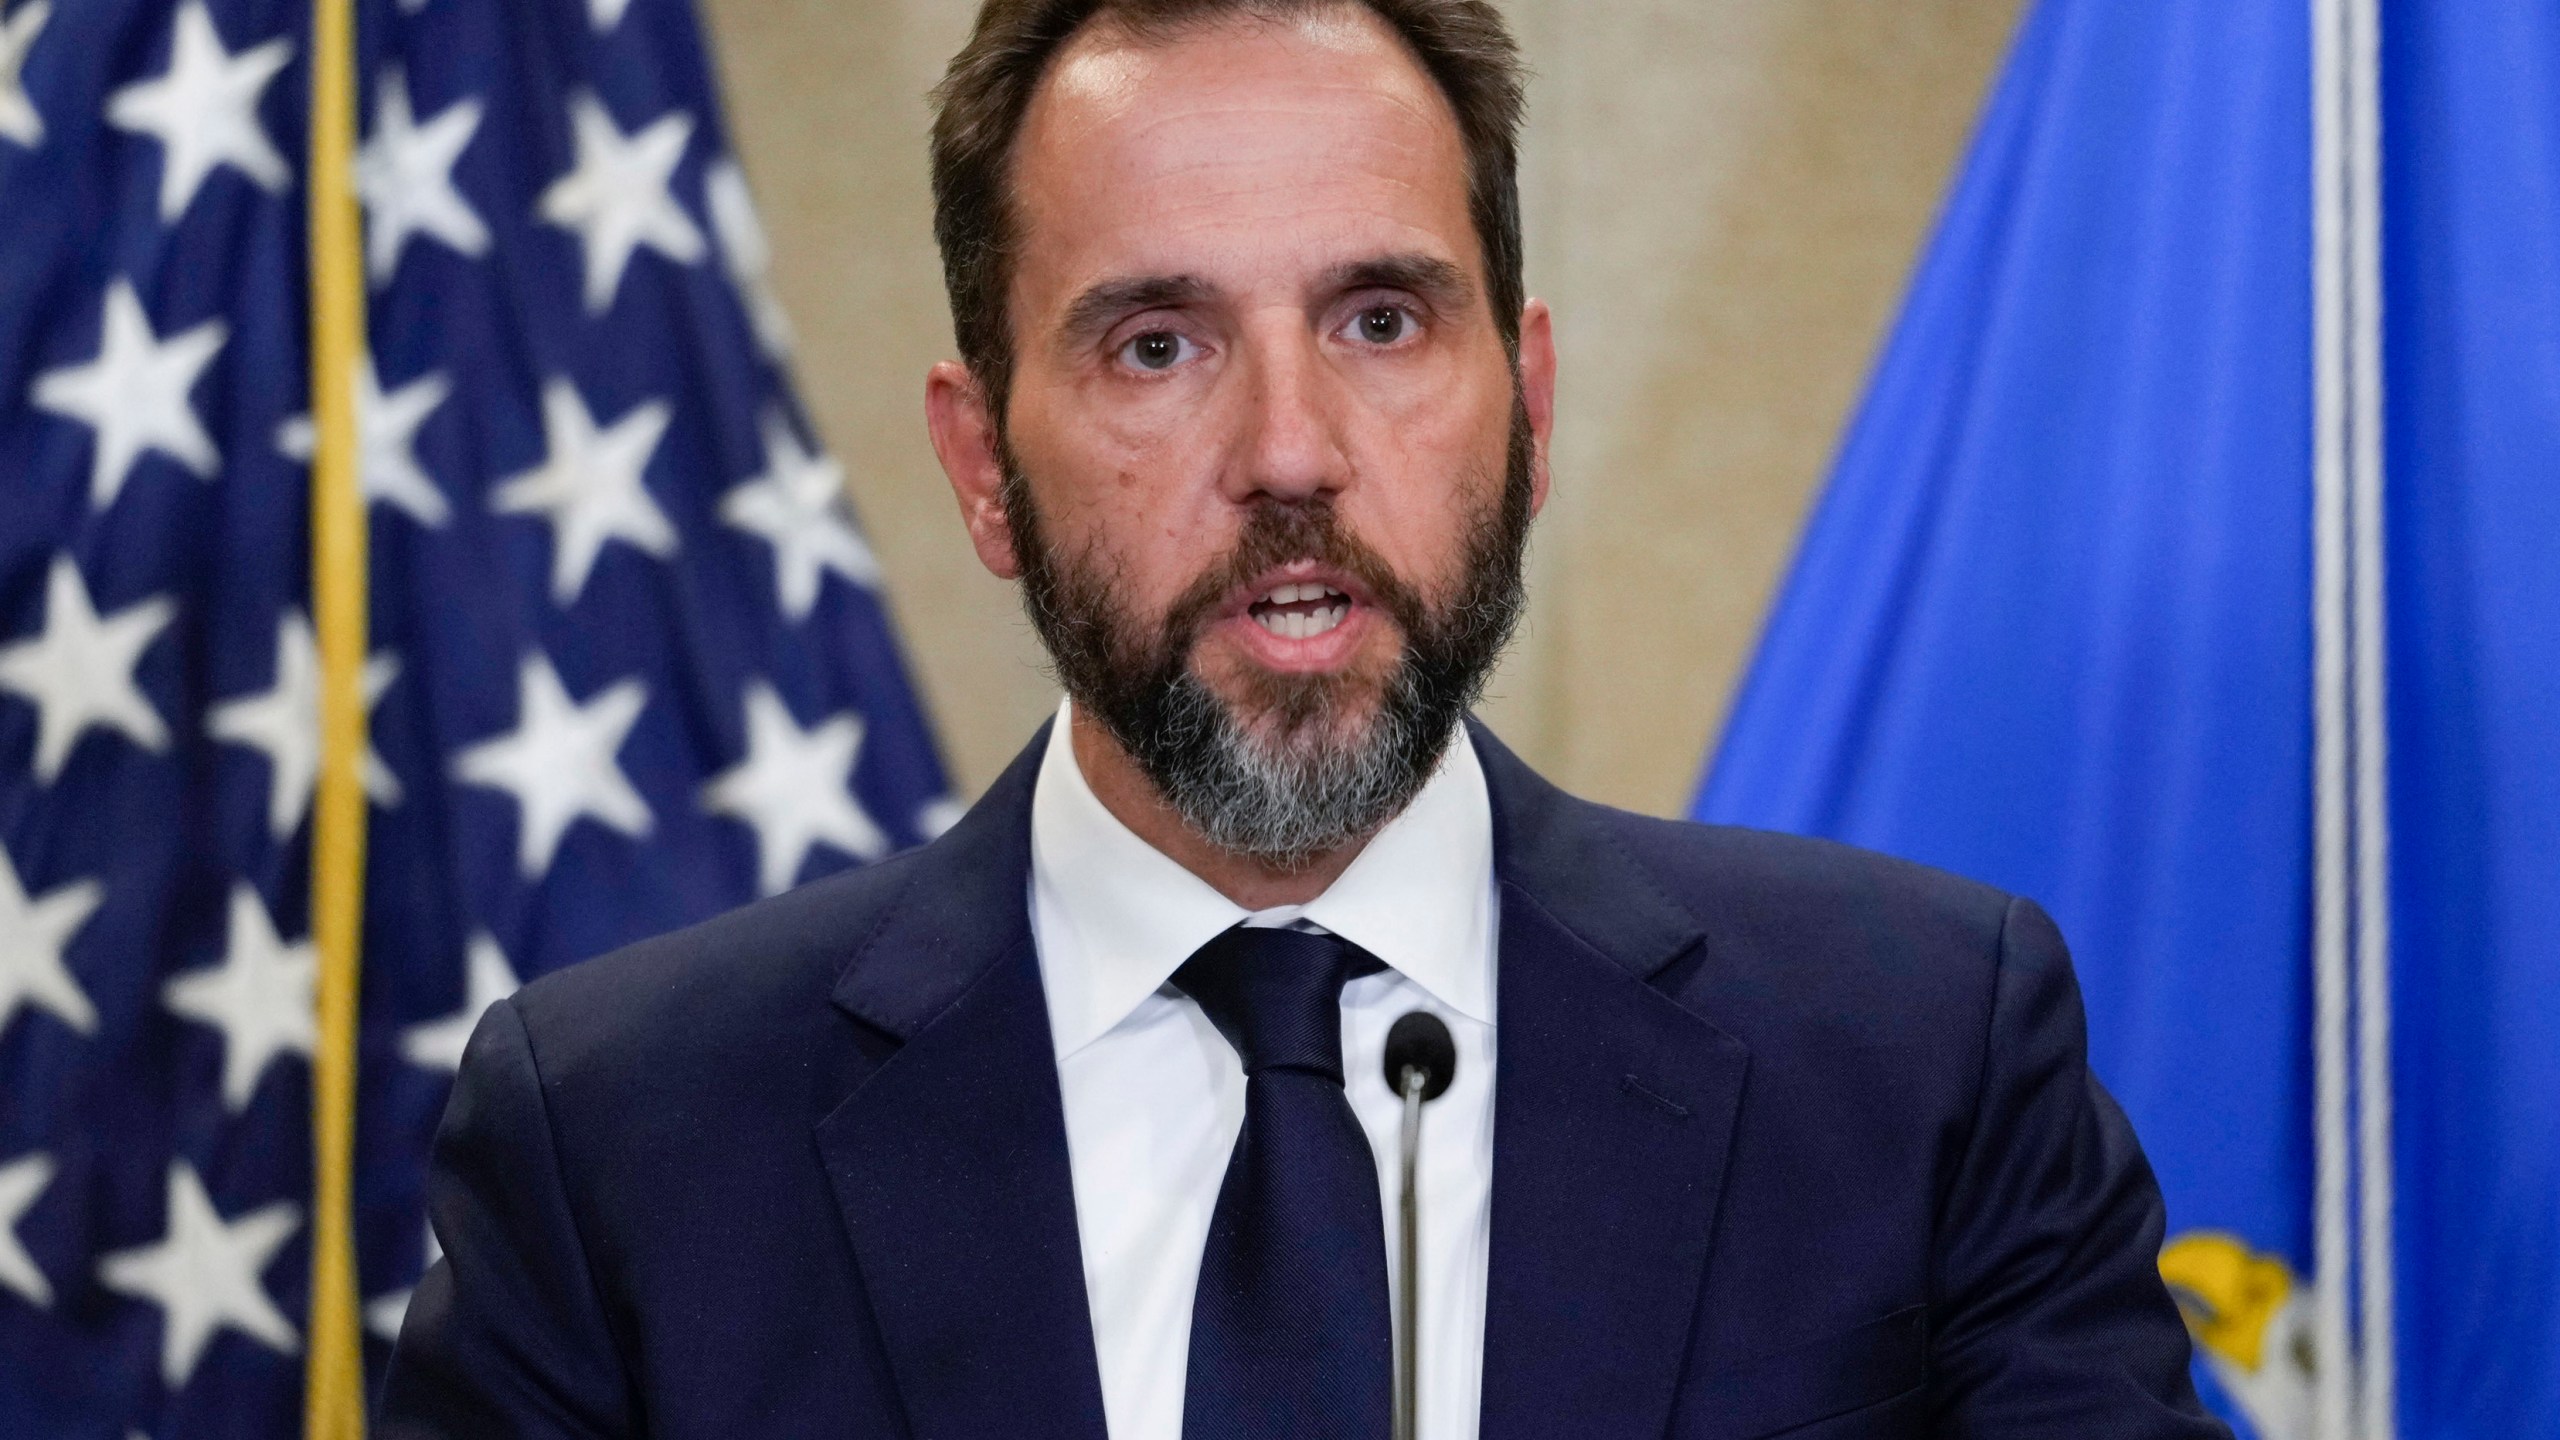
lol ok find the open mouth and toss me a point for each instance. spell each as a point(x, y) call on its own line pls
point(1300, 611)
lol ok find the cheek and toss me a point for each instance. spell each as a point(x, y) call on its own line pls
point(1124, 516)
point(1432, 478)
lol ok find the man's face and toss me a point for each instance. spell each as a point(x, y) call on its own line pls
point(1261, 421)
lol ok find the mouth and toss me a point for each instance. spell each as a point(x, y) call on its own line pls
point(1299, 618)
point(1301, 610)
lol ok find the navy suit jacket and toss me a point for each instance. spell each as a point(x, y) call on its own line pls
point(1788, 1138)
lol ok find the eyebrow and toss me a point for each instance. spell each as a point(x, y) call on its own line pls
point(1436, 282)
point(1108, 300)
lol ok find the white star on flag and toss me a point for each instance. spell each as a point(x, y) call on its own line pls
point(589, 487)
point(559, 762)
point(938, 815)
point(203, 1274)
point(259, 997)
point(18, 118)
point(405, 174)
point(21, 1181)
point(745, 254)
point(204, 110)
point(79, 671)
point(33, 935)
point(487, 979)
point(795, 787)
point(134, 394)
point(284, 721)
point(387, 439)
point(606, 14)
point(797, 506)
point(384, 1312)
point(617, 197)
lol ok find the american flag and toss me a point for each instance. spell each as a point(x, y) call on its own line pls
point(629, 662)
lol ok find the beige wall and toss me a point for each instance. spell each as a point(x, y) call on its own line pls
point(1723, 199)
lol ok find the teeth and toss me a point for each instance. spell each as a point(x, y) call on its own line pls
point(1307, 590)
point(1294, 626)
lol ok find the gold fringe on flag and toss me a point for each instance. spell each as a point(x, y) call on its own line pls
point(333, 1396)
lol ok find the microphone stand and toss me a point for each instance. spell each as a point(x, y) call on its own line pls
point(1409, 1269)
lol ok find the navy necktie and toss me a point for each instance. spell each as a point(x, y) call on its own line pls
point(1289, 1328)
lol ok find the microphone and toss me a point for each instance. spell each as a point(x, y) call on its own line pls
point(1419, 1042)
point(1421, 1061)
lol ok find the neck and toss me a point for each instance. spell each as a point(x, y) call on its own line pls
point(1133, 800)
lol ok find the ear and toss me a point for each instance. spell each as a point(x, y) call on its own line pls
point(1538, 390)
point(964, 439)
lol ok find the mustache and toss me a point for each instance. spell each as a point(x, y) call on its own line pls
point(1281, 532)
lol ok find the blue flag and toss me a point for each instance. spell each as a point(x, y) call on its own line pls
point(2471, 314)
point(629, 664)
point(2052, 626)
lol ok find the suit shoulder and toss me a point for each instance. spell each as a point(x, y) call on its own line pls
point(1861, 945)
point(735, 980)
point(1743, 871)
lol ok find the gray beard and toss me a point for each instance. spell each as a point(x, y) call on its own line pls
point(1287, 800)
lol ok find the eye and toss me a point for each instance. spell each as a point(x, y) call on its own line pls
point(1156, 350)
point(1381, 324)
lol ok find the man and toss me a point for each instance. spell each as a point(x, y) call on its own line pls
point(1073, 1123)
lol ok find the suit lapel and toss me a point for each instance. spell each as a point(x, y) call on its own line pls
point(1613, 1112)
point(949, 1162)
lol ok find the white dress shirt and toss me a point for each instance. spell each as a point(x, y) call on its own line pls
point(1155, 1095)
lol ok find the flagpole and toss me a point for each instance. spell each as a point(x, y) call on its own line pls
point(2331, 1238)
point(2377, 1368)
point(333, 1397)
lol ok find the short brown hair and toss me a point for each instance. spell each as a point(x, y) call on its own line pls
point(983, 97)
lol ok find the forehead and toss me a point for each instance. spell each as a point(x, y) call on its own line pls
point(1240, 144)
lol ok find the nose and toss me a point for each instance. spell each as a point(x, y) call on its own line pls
point(1290, 447)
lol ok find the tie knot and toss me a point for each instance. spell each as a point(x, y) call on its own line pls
point(1276, 995)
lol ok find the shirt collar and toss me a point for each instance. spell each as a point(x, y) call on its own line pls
point(1117, 916)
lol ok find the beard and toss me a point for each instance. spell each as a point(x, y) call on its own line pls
point(1295, 766)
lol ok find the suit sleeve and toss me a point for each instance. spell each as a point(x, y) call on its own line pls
point(2051, 1317)
point(505, 1336)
